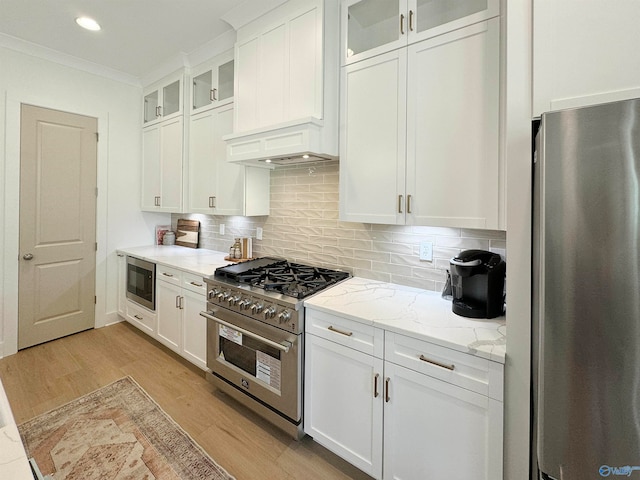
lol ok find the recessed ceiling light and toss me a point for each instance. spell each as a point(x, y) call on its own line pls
point(268, 160)
point(88, 23)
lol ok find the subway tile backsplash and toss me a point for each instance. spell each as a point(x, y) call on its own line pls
point(303, 227)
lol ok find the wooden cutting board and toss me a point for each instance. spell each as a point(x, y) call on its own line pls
point(187, 233)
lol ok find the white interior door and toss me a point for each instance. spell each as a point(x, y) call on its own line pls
point(58, 160)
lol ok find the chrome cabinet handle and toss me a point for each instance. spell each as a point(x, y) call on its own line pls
point(387, 398)
point(408, 203)
point(401, 24)
point(138, 317)
point(214, 95)
point(167, 274)
point(181, 303)
point(411, 20)
point(28, 256)
point(437, 364)
point(177, 301)
point(159, 111)
point(156, 201)
point(212, 202)
point(399, 203)
point(375, 385)
point(341, 332)
point(195, 284)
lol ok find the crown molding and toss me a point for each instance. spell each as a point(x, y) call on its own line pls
point(38, 51)
point(248, 11)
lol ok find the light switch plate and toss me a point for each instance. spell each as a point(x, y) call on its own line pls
point(426, 251)
point(258, 233)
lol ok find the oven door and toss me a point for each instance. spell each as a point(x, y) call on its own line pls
point(263, 361)
point(141, 279)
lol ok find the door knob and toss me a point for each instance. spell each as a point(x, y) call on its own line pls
point(27, 256)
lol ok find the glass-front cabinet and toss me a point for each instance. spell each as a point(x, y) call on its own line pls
point(163, 101)
point(212, 83)
point(373, 27)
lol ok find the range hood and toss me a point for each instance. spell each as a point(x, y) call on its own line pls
point(290, 143)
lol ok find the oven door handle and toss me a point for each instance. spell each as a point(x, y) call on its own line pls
point(271, 343)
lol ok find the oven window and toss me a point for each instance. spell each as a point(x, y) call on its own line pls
point(257, 359)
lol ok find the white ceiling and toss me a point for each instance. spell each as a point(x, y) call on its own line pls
point(136, 37)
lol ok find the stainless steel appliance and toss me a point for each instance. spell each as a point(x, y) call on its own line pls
point(477, 282)
point(254, 334)
point(141, 282)
point(586, 293)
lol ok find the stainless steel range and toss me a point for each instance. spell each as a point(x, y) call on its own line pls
point(254, 334)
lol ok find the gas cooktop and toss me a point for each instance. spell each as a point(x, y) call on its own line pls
point(278, 275)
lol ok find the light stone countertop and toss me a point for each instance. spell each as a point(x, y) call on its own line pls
point(198, 261)
point(414, 312)
point(14, 464)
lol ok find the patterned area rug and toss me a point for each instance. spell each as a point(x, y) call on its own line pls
point(117, 432)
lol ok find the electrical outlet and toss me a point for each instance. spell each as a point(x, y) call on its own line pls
point(258, 233)
point(222, 229)
point(426, 251)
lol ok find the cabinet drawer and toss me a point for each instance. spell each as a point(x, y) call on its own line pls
point(168, 274)
point(356, 335)
point(194, 283)
point(462, 369)
point(142, 318)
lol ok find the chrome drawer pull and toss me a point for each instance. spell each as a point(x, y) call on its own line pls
point(167, 274)
point(346, 334)
point(138, 317)
point(437, 364)
point(195, 284)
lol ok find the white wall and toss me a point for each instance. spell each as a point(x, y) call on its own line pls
point(27, 79)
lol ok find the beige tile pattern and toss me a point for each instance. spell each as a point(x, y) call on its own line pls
point(303, 226)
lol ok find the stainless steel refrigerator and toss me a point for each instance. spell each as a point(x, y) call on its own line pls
point(586, 293)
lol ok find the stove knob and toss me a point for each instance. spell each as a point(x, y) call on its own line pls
point(256, 307)
point(222, 296)
point(212, 293)
point(284, 316)
point(233, 300)
point(244, 303)
point(270, 312)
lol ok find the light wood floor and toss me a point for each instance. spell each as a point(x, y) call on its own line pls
point(43, 377)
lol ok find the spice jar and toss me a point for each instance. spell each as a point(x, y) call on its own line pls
point(169, 238)
point(237, 249)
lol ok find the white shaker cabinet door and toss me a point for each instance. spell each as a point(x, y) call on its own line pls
point(343, 404)
point(453, 103)
point(194, 345)
point(169, 315)
point(373, 141)
point(433, 429)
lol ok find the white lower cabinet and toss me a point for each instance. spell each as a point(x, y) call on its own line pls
point(180, 297)
point(408, 410)
point(341, 412)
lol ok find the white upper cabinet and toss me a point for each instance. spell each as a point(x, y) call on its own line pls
point(212, 83)
point(372, 27)
point(279, 71)
point(420, 133)
point(215, 186)
point(163, 100)
point(584, 53)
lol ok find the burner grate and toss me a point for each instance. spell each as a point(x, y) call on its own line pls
point(290, 279)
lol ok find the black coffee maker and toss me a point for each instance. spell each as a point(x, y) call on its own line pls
point(477, 281)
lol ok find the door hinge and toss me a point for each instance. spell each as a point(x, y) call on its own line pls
point(97, 137)
point(96, 191)
point(96, 246)
point(95, 300)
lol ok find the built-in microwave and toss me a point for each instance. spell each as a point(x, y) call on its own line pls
point(141, 282)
